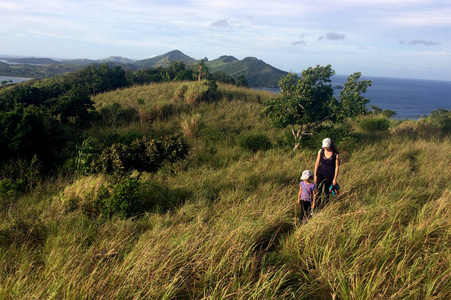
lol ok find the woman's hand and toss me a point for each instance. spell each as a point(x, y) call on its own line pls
point(334, 182)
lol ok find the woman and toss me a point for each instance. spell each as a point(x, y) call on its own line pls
point(326, 170)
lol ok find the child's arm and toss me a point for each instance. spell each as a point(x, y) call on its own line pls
point(299, 196)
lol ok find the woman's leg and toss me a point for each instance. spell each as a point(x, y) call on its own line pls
point(323, 190)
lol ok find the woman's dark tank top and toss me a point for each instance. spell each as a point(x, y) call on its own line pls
point(327, 165)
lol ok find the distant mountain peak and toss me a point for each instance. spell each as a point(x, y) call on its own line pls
point(163, 60)
point(117, 59)
point(227, 58)
point(257, 72)
point(252, 59)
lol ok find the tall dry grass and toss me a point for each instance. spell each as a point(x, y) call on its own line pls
point(236, 235)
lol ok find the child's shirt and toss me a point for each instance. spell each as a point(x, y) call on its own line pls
point(307, 191)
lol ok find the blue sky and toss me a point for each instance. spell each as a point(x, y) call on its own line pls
point(390, 38)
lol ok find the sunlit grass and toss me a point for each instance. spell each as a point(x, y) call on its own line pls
point(224, 223)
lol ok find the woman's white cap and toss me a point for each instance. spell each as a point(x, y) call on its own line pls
point(327, 143)
point(306, 174)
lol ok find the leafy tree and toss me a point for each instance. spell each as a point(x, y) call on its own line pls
point(201, 70)
point(149, 75)
point(184, 75)
point(33, 131)
point(174, 68)
point(304, 102)
point(241, 81)
point(222, 76)
point(352, 103)
point(72, 105)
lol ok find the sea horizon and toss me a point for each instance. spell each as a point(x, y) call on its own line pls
point(409, 98)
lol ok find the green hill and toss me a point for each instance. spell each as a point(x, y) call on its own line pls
point(163, 60)
point(223, 222)
point(31, 60)
point(256, 72)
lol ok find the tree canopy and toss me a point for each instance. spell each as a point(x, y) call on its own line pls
point(307, 101)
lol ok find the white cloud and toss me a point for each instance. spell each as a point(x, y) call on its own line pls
point(266, 29)
point(419, 42)
point(220, 23)
point(332, 36)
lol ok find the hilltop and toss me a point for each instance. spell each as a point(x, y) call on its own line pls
point(257, 72)
point(164, 60)
point(222, 222)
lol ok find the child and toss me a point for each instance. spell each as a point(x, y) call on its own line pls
point(307, 192)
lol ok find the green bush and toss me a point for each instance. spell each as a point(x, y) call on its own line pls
point(124, 200)
point(336, 133)
point(140, 101)
point(348, 143)
point(443, 118)
point(197, 92)
point(119, 198)
point(9, 190)
point(255, 142)
point(114, 115)
point(374, 125)
point(121, 159)
point(72, 204)
point(88, 155)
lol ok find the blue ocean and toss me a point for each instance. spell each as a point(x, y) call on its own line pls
point(410, 98)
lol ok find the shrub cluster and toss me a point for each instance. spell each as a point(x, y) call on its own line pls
point(373, 125)
point(119, 161)
point(196, 92)
point(438, 123)
point(121, 198)
point(255, 142)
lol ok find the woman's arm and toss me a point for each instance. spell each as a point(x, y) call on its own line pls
point(318, 158)
point(314, 200)
point(337, 168)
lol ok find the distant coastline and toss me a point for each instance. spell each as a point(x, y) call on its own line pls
point(14, 79)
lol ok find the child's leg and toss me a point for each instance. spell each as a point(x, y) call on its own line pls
point(306, 205)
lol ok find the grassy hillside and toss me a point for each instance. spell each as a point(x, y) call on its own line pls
point(224, 224)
